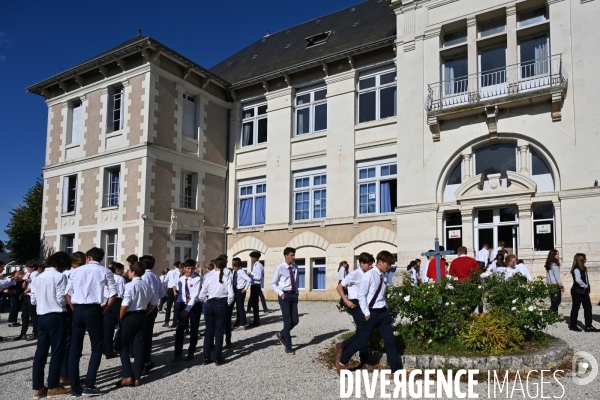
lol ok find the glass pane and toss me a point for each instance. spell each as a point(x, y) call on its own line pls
point(534, 56)
point(456, 175)
point(492, 59)
point(320, 117)
point(260, 189)
point(303, 99)
point(532, 16)
point(385, 170)
point(485, 216)
point(320, 95)
point(366, 83)
point(262, 110)
point(303, 121)
point(387, 78)
point(543, 211)
point(262, 131)
point(248, 113)
point(486, 236)
point(362, 173)
point(393, 169)
point(508, 214)
point(249, 190)
point(543, 235)
point(453, 238)
point(538, 165)
point(387, 102)
point(455, 72)
point(453, 219)
point(371, 172)
point(248, 133)
point(491, 27)
point(456, 37)
point(366, 108)
point(495, 159)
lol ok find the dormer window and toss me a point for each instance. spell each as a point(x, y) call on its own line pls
point(318, 39)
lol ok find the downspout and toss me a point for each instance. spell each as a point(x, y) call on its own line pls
point(226, 184)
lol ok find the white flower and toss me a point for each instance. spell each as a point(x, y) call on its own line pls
point(430, 340)
point(455, 278)
point(447, 303)
point(449, 287)
point(479, 287)
point(452, 303)
point(530, 308)
point(513, 309)
point(514, 301)
point(486, 274)
point(541, 313)
point(420, 317)
point(407, 298)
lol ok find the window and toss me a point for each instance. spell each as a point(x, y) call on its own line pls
point(310, 195)
point(189, 185)
point(245, 266)
point(495, 225)
point(66, 243)
point(115, 109)
point(533, 53)
point(541, 173)
point(69, 194)
point(453, 230)
point(496, 159)
point(455, 75)
point(532, 16)
point(492, 27)
point(254, 125)
point(318, 39)
point(74, 135)
point(189, 117)
point(112, 187)
point(492, 65)
point(454, 181)
point(543, 227)
point(183, 246)
point(456, 37)
point(301, 263)
point(377, 187)
point(319, 271)
point(311, 111)
point(377, 96)
point(252, 203)
point(109, 243)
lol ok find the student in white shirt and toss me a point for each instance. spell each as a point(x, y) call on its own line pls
point(255, 289)
point(28, 310)
point(172, 282)
point(217, 294)
point(483, 257)
point(522, 269)
point(352, 283)
point(164, 280)
point(135, 307)
point(371, 297)
point(414, 272)
point(49, 295)
point(111, 317)
point(425, 267)
point(342, 272)
point(241, 283)
point(285, 284)
point(158, 291)
point(189, 307)
point(496, 250)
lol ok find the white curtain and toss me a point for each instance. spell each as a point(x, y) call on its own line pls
point(76, 125)
point(65, 195)
point(541, 55)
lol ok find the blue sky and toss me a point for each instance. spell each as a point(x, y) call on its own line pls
point(39, 39)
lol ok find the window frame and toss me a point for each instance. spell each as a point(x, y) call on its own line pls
point(194, 133)
point(520, 14)
point(193, 185)
point(552, 221)
point(105, 243)
point(454, 227)
point(76, 104)
point(66, 197)
point(254, 183)
point(255, 120)
point(114, 91)
point(377, 88)
point(311, 106)
point(301, 264)
point(64, 246)
point(108, 194)
point(314, 266)
point(377, 164)
point(311, 189)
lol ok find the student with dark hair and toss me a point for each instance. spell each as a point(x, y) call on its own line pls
point(285, 284)
point(165, 282)
point(352, 283)
point(49, 295)
point(28, 310)
point(131, 259)
point(134, 309)
point(85, 294)
point(189, 307)
point(552, 266)
point(241, 283)
point(372, 300)
point(580, 293)
point(172, 282)
point(111, 317)
point(217, 294)
point(158, 291)
point(255, 289)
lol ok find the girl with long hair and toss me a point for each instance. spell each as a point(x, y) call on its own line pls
point(553, 278)
point(342, 272)
point(580, 292)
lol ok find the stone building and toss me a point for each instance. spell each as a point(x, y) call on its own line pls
point(380, 126)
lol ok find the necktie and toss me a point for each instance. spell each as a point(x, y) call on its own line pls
point(374, 299)
point(187, 292)
point(292, 280)
point(235, 279)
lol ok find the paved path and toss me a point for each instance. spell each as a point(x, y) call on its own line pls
point(258, 368)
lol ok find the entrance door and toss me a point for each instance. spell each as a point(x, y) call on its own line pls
point(494, 225)
point(184, 246)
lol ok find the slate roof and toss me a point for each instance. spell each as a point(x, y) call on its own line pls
point(367, 23)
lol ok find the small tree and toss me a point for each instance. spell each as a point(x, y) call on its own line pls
point(25, 226)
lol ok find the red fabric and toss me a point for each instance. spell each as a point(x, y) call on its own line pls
point(431, 269)
point(462, 267)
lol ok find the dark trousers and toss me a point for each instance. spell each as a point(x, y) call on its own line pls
point(64, 368)
point(193, 319)
point(214, 319)
point(341, 302)
point(381, 320)
point(148, 331)
point(255, 292)
point(228, 324)
point(555, 301)
point(170, 301)
point(162, 302)
point(86, 317)
point(111, 320)
point(240, 298)
point(15, 307)
point(28, 311)
point(51, 334)
point(579, 300)
point(289, 312)
point(361, 324)
point(132, 336)
point(263, 302)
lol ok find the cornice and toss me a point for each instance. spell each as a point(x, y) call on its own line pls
point(416, 208)
point(579, 193)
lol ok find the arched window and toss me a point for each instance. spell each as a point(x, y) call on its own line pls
point(496, 159)
point(541, 173)
point(453, 182)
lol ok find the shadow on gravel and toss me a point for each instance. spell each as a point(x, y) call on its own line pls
point(321, 338)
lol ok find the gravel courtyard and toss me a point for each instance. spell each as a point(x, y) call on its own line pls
point(257, 367)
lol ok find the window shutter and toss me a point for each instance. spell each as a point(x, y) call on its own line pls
point(65, 194)
point(122, 117)
point(76, 125)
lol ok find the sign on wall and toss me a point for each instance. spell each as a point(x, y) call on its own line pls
point(545, 228)
point(454, 234)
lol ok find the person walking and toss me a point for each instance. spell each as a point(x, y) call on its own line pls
point(255, 289)
point(552, 267)
point(189, 306)
point(483, 257)
point(342, 273)
point(580, 293)
point(285, 284)
point(241, 283)
point(158, 291)
point(463, 266)
point(172, 282)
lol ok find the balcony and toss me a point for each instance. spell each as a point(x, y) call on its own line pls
point(541, 79)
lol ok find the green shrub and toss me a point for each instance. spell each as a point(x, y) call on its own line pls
point(492, 333)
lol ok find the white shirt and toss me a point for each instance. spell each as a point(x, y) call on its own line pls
point(243, 280)
point(257, 273)
point(87, 284)
point(48, 293)
point(194, 283)
point(67, 273)
point(342, 273)
point(137, 295)
point(164, 280)
point(424, 268)
point(483, 256)
point(213, 289)
point(523, 270)
point(6, 282)
point(33, 277)
point(368, 287)
point(352, 282)
point(507, 272)
point(120, 284)
point(173, 278)
point(282, 281)
point(495, 253)
point(414, 275)
point(158, 291)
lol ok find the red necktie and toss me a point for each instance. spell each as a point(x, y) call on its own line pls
point(292, 280)
point(187, 292)
point(374, 299)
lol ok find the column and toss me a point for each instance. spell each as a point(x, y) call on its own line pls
point(180, 91)
point(473, 63)
point(234, 135)
point(525, 249)
point(523, 157)
point(467, 166)
point(557, 226)
point(511, 43)
point(467, 229)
